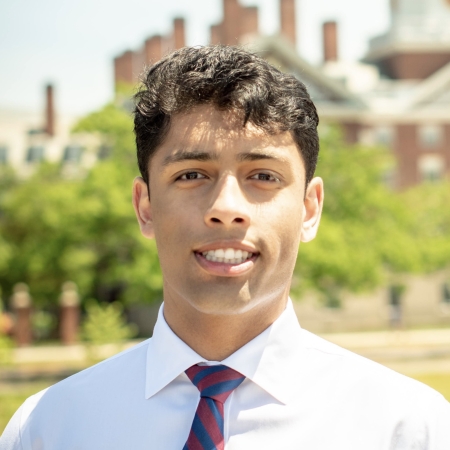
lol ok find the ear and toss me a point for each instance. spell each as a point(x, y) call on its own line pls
point(312, 209)
point(142, 207)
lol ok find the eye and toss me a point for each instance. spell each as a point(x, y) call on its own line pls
point(265, 177)
point(191, 176)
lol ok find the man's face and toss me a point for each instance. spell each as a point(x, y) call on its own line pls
point(228, 210)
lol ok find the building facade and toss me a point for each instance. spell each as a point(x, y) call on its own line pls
point(26, 139)
point(398, 96)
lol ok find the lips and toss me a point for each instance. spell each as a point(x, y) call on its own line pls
point(230, 259)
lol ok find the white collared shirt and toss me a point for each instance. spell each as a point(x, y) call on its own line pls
point(300, 392)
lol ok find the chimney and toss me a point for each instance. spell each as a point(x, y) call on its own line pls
point(330, 46)
point(231, 22)
point(124, 68)
point(167, 44)
point(287, 20)
point(249, 21)
point(153, 49)
point(216, 34)
point(179, 40)
point(117, 70)
point(49, 111)
point(394, 5)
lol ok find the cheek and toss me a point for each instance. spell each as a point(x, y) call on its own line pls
point(174, 224)
point(282, 232)
point(289, 236)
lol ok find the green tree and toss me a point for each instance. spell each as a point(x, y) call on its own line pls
point(124, 258)
point(428, 204)
point(366, 229)
point(105, 324)
point(54, 229)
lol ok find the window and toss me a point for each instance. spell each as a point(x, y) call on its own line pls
point(72, 153)
point(384, 135)
point(430, 136)
point(366, 136)
point(431, 167)
point(3, 154)
point(388, 178)
point(396, 293)
point(104, 151)
point(35, 153)
point(412, 7)
point(446, 293)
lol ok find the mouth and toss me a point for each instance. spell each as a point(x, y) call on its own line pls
point(228, 255)
point(226, 261)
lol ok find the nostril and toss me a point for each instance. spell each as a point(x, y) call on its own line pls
point(238, 220)
point(214, 219)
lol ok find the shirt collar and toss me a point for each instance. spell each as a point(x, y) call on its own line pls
point(267, 360)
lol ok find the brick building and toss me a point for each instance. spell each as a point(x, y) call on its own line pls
point(409, 100)
point(26, 139)
point(398, 96)
point(129, 65)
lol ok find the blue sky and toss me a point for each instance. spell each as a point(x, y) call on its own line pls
point(72, 42)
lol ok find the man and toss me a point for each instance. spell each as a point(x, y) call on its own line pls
point(227, 147)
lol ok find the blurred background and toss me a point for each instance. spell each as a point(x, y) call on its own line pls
point(78, 282)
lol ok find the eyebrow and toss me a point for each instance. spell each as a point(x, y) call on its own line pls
point(184, 155)
point(190, 156)
point(255, 156)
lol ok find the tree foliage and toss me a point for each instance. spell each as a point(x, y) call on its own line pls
point(80, 229)
point(105, 324)
point(369, 232)
point(54, 229)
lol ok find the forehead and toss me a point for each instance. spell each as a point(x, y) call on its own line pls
point(206, 128)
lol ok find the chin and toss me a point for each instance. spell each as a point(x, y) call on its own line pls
point(222, 305)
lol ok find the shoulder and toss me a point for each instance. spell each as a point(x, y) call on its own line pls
point(350, 389)
point(364, 381)
point(83, 394)
point(358, 369)
point(124, 370)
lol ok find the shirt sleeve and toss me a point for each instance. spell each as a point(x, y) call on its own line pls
point(441, 438)
point(11, 439)
point(427, 429)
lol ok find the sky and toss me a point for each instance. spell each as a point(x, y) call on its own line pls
point(71, 43)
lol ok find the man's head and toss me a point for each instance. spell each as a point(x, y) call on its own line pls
point(229, 79)
point(227, 147)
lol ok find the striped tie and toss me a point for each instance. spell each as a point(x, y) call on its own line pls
point(215, 384)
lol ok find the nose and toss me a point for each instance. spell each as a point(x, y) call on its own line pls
point(229, 205)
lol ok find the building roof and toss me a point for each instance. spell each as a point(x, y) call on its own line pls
point(434, 88)
point(325, 91)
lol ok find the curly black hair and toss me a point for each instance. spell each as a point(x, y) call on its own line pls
point(228, 78)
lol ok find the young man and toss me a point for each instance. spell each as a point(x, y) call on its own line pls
point(227, 147)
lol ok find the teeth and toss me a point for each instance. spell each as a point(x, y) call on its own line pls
point(228, 255)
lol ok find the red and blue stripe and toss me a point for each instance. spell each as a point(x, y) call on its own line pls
point(215, 384)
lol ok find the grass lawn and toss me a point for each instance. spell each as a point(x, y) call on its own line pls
point(11, 399)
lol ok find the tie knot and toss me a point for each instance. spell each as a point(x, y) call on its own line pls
point(216, 382)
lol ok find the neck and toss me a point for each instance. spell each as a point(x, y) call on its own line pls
point(215, 337)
